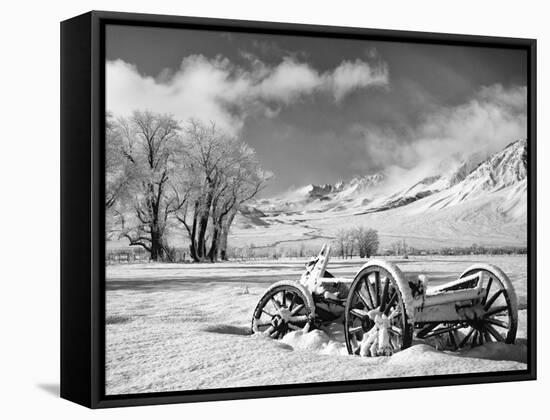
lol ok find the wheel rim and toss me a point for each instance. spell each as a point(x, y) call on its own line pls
point(280, 311)
point(372, 289)
point(493, 323)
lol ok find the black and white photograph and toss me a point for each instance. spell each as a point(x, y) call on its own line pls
point(291, 209)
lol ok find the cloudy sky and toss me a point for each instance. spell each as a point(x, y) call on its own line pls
point(319, 110)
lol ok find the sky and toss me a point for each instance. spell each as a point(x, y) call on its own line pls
point(319, 110)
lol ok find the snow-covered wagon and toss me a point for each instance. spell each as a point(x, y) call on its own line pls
point(382, 309)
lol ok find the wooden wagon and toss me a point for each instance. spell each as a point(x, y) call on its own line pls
point(382, 310)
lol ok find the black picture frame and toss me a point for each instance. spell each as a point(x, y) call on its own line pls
point(82, 208)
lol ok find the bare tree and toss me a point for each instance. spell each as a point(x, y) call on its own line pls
point(118, 164)
point(151, 143)
point(225, 174)
point(340, 243)
point(241, 180)
point(363, 240)
point(345, 243)
point(366, 240)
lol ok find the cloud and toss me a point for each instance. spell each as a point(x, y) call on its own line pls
point(288, 81)
point(350, 76)
point(492, 118)
point(217, 90)
point(194, 91)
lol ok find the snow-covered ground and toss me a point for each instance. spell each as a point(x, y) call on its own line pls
point(186, 326)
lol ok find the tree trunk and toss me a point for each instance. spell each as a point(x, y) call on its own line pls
point(226, 226)
point(213, 253)
point(193, 235)
point(157, 245)
point(204, 216)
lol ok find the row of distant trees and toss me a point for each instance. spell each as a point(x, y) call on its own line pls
point(161, 174)
point(398, 248)
point(360, 241)
point(251, 252)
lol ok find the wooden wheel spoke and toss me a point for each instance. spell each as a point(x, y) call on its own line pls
point(496, 310)
point(362, 298)
point(276, 304)
point(297, 309)
point(295, 327)
point(262, 324)
point(292, 301)
point(475, 337)
point(493, 299)
point(466, 338)
point(267, 313)
point(390, 303)
point(284, 299)
point(354, 330)
point(377, 287)
point(480, 337)
point(494, 333)
point(489, 284)
point(367, 286)
point(426, 329)
point(269, 331)
point(298, 318)
point(384, 296)
point(497, 322)
point(359, 313)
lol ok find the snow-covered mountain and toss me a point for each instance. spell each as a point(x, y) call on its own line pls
point(468, 180)
point(503, 174)
point(323, 197)
point(477, 199)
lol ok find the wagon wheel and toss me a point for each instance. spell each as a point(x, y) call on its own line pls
point(495, 321)
point(285, 307)
point(376, 287)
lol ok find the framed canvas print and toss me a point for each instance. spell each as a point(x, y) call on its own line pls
point(255, 209)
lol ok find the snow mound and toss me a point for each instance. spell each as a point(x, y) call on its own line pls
point(315, 340)
point(416, 354)
point(330, 341)
point(490, 351)
point(326, 341)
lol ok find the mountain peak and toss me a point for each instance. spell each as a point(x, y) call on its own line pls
point(503, 168)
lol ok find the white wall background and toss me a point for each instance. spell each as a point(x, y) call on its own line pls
point(29, 207)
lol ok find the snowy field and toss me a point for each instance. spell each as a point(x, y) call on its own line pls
point(186, 326)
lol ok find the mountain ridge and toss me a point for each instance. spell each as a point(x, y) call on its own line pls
point(482, 201)
point(373, 193)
